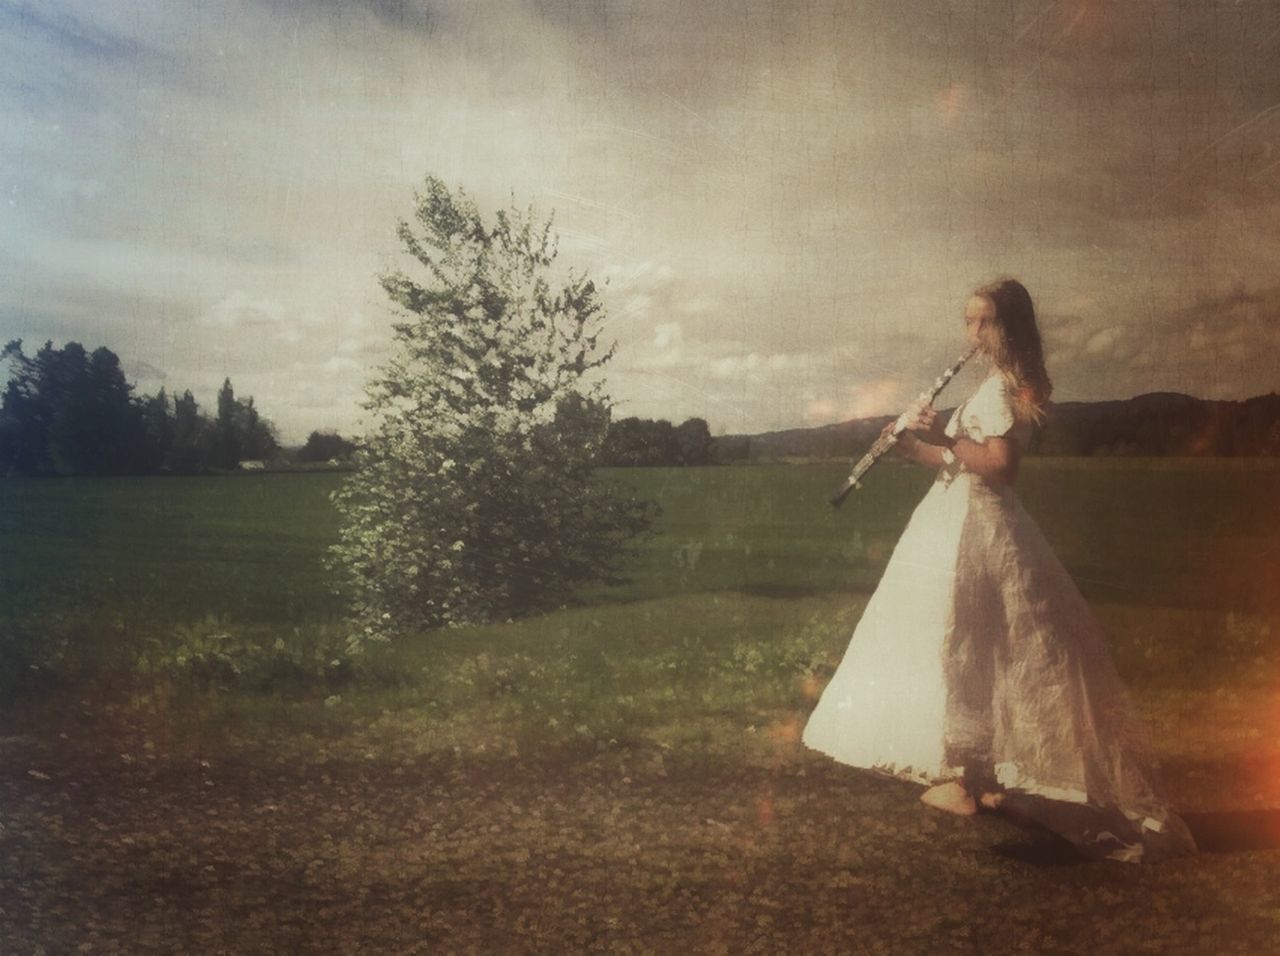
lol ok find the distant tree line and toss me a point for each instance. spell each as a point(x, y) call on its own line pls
point(643, 442)
point(1157, 424)
point(326, 446)
point(71, 412)
point(1165, 423)
point(68, 411)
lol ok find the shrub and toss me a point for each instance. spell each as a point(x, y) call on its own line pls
point(474, 496)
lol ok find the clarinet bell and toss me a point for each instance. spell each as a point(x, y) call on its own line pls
point(843, 492)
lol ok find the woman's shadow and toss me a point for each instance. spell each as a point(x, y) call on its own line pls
point(1224, 832)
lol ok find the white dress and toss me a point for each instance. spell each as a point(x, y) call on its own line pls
point(978, 656)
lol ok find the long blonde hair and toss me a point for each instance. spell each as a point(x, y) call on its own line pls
point(1013, 342)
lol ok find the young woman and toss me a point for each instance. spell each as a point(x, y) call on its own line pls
point(977, 666)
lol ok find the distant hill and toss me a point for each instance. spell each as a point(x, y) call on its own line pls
point(1151, 425)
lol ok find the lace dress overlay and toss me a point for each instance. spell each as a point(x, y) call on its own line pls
point(978, 657)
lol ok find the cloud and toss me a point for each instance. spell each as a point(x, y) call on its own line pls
point(409, 16)
point(239, 311)
point(875, 397)
point(1229, 345)
point(146, 376)
point(213, 187)
point(1103, 341)
point(676, 375)
point(699, 305)
point(68, 34)
point(1061, 330)
point(667, 336)
point(336, 363)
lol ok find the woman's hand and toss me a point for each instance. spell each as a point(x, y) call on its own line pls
point(906, 443)
point(921, 417)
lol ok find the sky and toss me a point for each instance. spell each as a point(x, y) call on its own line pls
point(787, 203)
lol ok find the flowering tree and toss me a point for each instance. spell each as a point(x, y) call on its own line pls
point(475, 496)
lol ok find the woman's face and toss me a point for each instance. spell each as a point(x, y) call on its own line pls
point(977, 313)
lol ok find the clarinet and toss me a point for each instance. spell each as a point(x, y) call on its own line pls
point(889, 439)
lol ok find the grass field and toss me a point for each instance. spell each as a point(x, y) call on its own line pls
point(622, 775)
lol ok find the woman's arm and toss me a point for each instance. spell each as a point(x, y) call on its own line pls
point(994, 460)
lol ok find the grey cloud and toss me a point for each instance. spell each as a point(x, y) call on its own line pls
point(413, 16)
point(824, 179)
point(69, 34)
point(1226, 346)
point(36, 324)
point(138, 370)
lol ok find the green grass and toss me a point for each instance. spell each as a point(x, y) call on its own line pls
point(170, 549)
point(110, 569)
point(737, 607)
point(1185, 534)
point(625, 772)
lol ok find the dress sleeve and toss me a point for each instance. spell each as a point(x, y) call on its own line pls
point(990, 413)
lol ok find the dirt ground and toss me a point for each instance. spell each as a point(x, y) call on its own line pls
point(121, 840)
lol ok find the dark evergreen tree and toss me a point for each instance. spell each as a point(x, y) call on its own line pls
point(116, 442)
point(23, 417)
point(160, 429)
point(227, 439)
point(192, 446)
point(256, 435)
point(67, 412)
